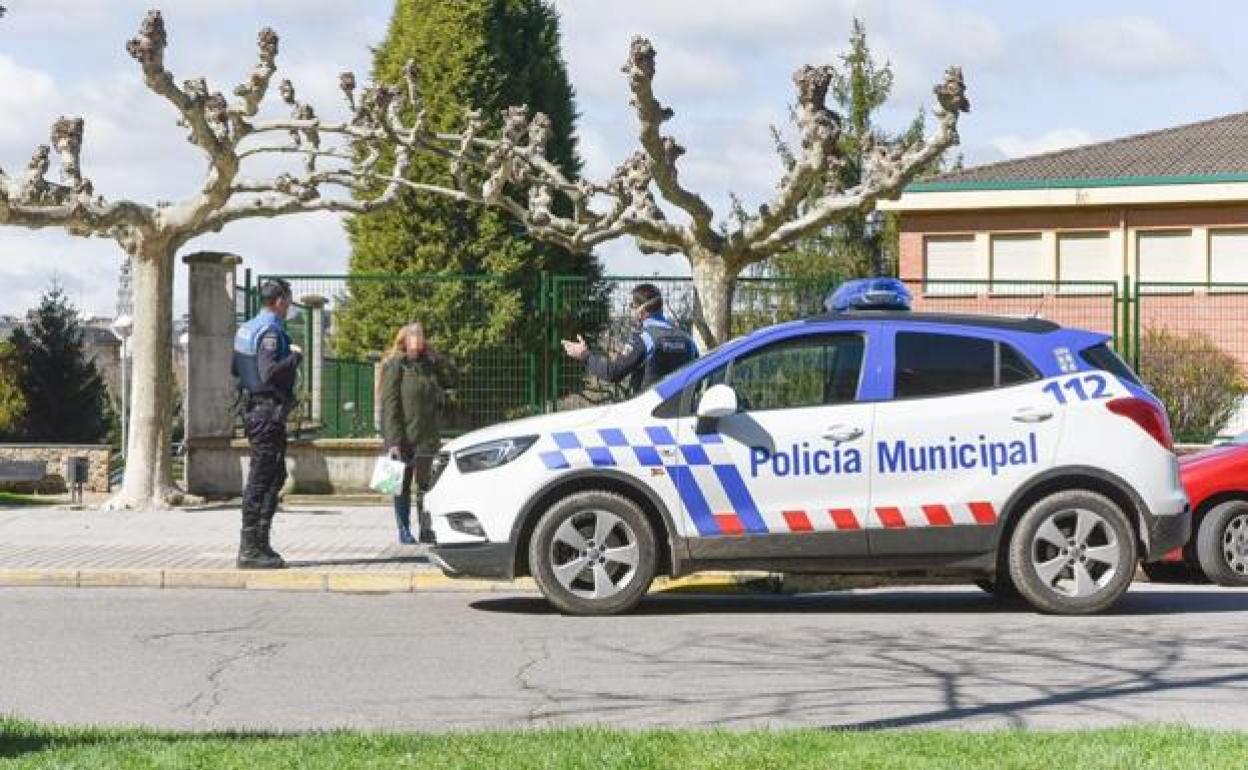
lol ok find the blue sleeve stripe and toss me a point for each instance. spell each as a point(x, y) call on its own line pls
point(739, 496)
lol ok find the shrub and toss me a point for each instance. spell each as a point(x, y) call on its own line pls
point(1200, 384)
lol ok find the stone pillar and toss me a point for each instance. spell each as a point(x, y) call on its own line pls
point(210, 388)
point(315, 304)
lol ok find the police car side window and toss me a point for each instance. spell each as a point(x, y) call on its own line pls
point(929, 364)
point(809, 371)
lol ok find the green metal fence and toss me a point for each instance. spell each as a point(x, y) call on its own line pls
point(504, 337)
point(1173, 327)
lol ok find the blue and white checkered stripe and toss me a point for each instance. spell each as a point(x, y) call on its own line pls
point(703, 474)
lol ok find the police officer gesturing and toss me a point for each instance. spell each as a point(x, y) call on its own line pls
point(653, 351)
point(265, 363)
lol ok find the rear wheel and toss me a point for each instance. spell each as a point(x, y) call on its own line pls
point(593, 553)
point(1222, 544)
point(1073, 553)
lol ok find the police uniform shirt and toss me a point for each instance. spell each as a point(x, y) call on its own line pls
point(659, 348)
point(264, 362)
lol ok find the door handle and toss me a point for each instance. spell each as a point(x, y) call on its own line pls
point(839, 433)
point(1032, 414)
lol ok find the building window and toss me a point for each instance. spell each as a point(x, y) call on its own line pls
point(1167, 257)
point(947, 260)
point(1019, 264)
point(1228, 257)
point(1086, 258)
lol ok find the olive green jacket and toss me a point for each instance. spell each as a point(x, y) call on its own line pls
point(413, 398)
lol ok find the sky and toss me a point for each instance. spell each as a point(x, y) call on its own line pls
point(1040, 76)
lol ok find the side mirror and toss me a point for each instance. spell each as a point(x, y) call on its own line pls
point(718, 401)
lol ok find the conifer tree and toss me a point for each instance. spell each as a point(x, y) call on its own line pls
point(489, 54)
point(66, 401)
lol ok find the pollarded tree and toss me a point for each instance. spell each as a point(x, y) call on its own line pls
point(228, 132)
point(386, 128)
point(514, 172)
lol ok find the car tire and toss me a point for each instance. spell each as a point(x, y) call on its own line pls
point(1073, 553)
point(1222, 544)
point(593, 553)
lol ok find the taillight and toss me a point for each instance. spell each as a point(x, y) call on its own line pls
point(1147, 415)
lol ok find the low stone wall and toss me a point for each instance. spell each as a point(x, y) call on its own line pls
point(53, 456)
point(217, 468)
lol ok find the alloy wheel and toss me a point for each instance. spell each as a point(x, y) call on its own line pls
point(1076, 552)
point(594, 554)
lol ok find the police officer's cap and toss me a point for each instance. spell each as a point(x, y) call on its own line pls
point(274, 289)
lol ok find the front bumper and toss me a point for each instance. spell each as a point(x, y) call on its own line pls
point(475, 560)
point(1166, 533)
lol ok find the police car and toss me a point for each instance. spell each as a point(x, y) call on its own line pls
point(870, 439)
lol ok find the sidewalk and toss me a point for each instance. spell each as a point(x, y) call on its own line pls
point(328, 547)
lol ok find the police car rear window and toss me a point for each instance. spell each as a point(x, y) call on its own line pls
point(1101, 357)
point(929, 364)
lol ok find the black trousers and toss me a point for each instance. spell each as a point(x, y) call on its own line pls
point(264, 423)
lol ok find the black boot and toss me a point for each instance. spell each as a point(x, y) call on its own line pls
point(266, 547)
point(426, 525)
point(251, 555)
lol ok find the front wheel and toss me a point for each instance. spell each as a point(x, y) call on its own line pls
point(1222, 544)
point(1073, 553)
point(593, 553)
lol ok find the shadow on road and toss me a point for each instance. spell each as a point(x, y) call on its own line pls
point(1158, 602)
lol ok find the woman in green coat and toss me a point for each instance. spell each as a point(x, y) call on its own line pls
point(414, 390)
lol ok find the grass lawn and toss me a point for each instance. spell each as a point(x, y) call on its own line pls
point(12, 498)
point(25, 745)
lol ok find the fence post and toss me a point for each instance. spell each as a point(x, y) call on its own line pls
point(1135, 320)
point(315, 304)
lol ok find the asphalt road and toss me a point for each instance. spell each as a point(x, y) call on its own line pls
point(868, 659)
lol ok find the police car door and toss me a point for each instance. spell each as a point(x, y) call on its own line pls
point(966, 426)
point(786, 476)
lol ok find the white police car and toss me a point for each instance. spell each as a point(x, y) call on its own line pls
point(861, 441)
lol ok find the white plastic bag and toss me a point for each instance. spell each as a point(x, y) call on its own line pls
point(387, 476)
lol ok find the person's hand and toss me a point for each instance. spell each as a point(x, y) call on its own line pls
point(296, 349)
point(578, 350)
point(395, 454)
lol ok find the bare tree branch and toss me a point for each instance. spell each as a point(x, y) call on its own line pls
point(887, 170)
point(662, 152)
point(148, 49)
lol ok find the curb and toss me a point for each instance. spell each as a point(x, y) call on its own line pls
point(358, 581)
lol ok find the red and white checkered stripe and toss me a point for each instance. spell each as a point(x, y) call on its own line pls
point(980, 513)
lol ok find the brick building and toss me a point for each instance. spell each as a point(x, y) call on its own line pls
point(1146, 231)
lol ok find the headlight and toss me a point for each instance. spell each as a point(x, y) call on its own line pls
point(492, 453)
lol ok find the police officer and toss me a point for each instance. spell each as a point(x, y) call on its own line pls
point(653, 351)
point(265, 363)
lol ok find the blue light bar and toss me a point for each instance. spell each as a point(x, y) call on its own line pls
point(869, 294)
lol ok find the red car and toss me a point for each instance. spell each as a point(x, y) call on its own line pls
point(1216, 481)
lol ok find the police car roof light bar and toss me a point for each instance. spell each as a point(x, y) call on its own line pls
point(868, 294)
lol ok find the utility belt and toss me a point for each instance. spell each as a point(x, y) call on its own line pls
point(280, 407)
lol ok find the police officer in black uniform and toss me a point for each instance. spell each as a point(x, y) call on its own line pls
point(652, 352)
point(266, 364)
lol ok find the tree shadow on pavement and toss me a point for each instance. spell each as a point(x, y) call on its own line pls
point(887, 602)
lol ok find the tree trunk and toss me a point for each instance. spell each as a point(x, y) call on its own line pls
point(715, 284)
point(148, 476)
